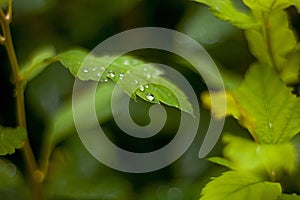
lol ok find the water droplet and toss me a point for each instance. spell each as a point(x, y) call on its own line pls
point(145, 69)
point(121, 75)
point(270, 125)
point(142, 89)
point(102, 68)
point(98, 74)
point(94, 68)
point(85, 70)
point(147, 86)
point(169, 94)
point(104, 80)
point(126, 62)
point(150, 97)
point(136, 82)
point(148, 76)
point(111, 74)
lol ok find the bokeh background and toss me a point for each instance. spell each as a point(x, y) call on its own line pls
point(73, 172)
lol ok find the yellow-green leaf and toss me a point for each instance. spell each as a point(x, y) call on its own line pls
point(237, 186)
point(272, 105)
point(225, 10)
point(266, 160)
point(11, 139)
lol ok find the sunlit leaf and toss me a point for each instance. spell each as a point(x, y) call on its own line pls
point(236, 186)
point(134, 76)
point(267, 160)
point(276, 111)
point(221, 161)
point(11, 139)
point(225, 10)
point(269, 48)
point(268, 5)
point(232, 108)
point(40, 60)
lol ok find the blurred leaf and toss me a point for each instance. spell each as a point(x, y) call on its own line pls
point(236, 186)
point(62, 126)
point(276, 112)
point(289, 197)
point(225, 10)
point(11, 139)
point(232, 108)
point(75, 174)
point(221, 161)
point(273, 160)
point(40, 60)
point(144, 81)
point(12, 185)
point(291, 72)
point(3, 3)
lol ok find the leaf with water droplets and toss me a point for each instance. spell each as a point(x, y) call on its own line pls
point(11, 139)
point(132, 75)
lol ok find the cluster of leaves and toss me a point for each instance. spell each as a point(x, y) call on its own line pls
point(263, 103)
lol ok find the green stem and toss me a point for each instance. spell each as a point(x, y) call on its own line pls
point(29, 158)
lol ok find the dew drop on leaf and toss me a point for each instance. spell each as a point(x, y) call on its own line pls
point(111, 74)
point(85, 70)
point(121, 75)
point(270, 125)
point(136, 82)
point(126, 62)
point(146, 86)
point(94, 68)
point(104, 80)
point(150, 97)
point(142, 89)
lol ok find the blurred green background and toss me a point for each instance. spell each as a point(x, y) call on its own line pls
point(74, 173)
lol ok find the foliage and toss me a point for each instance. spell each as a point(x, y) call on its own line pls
point(263, 103)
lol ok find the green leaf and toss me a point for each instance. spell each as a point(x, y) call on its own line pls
point(11, 139)
point(221, 161)
point(225, 10)
point(40, 60)
point(269, 5)
point(62, 125)
point(289, 197)
point(266, 160)
point(236, 186)
point(134, 76)
point(72, 59)
point(269, 48)
point(276, 111)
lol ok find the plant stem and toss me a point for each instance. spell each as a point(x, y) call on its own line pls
point(29, 158)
